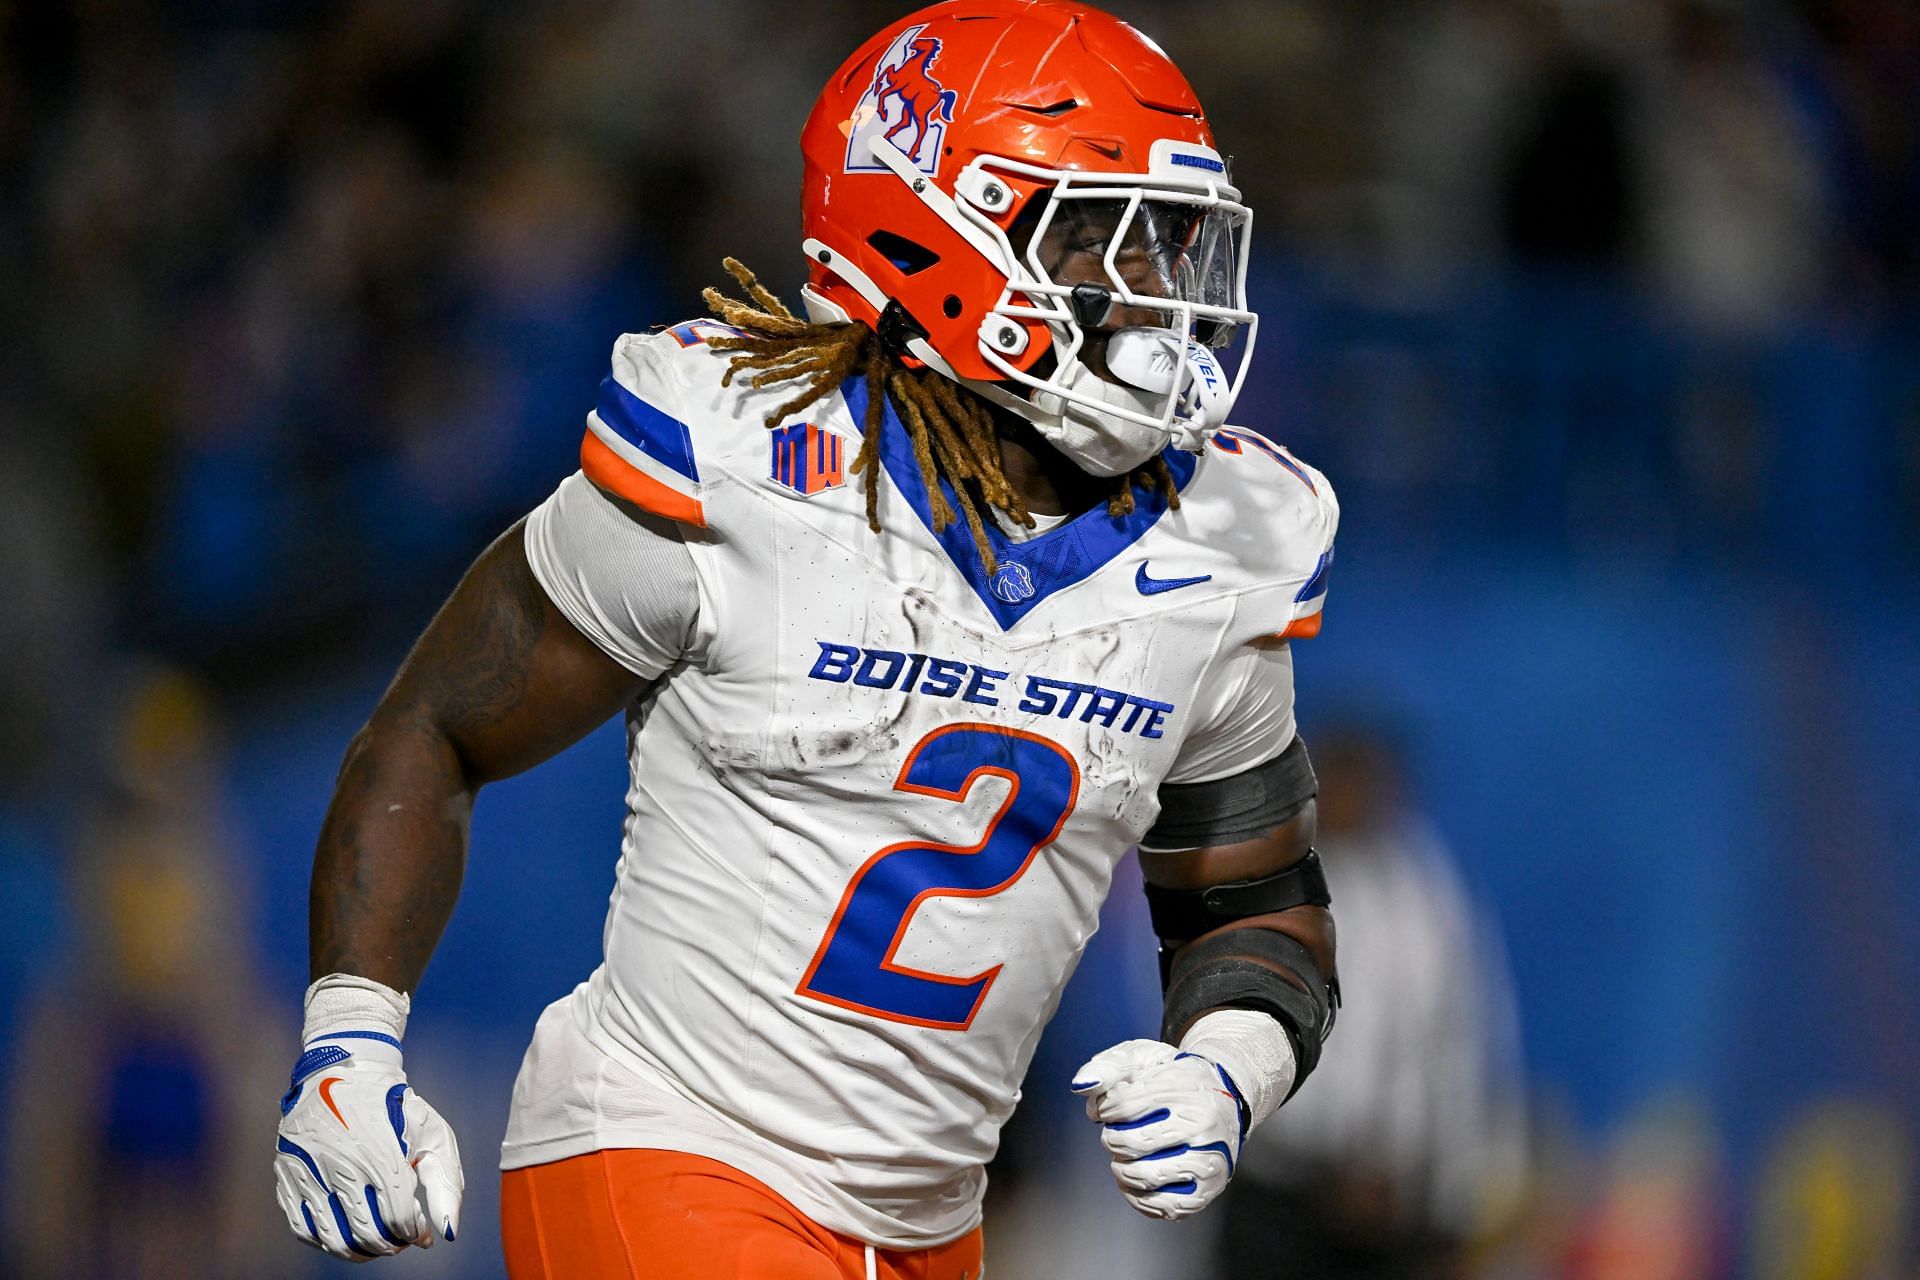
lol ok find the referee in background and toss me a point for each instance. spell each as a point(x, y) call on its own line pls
point(1410, 1143)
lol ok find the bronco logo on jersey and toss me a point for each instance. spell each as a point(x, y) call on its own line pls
point(807, 459)
point(1012, 582)
point(904, 104)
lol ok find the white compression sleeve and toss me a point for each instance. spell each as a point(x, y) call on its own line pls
point(1253, 1049)
point(348, 1002)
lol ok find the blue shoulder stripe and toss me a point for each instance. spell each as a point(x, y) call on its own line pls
point(1317, 584)
point(660, 436)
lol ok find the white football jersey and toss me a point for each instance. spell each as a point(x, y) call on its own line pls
point(877, 793)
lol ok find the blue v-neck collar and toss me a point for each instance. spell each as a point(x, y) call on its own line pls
point(1029, 571)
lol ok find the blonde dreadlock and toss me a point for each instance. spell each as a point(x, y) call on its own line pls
point(950, 427)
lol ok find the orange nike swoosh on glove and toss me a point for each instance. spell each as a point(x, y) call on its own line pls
point(326, 1096)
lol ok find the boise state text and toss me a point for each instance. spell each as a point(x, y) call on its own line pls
point(971, 682)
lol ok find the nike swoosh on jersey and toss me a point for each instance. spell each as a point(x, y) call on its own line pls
point(326, 1096)
point(1154, 586)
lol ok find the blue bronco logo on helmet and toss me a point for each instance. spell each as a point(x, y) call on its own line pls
point(904, 104)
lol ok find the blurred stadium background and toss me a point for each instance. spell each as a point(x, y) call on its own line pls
point(1604, 316)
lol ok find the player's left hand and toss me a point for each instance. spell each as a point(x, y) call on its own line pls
point(1172, 1122)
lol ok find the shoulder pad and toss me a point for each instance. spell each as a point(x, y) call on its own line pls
point(1291, 513)
point(637, 444)
point(662, 395)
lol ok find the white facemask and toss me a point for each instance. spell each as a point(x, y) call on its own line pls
point(1145, 362)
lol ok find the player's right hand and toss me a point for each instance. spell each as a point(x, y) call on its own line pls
point(1172, 1122)
point(355, 1146)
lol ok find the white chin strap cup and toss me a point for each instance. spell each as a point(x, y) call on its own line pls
point(1148, 363)
point(1149, 359)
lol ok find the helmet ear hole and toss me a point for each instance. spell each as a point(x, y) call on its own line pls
point(951, 307)
point(908, 257)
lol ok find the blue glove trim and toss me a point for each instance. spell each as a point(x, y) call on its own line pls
point(1225, 1154)
point(300, 1153)
point(396, 1117)
point(318, 1060)
point(1186, 1188)
point(346, 1228)
point(308, 1215)
point(1167, 1153)
point(1239, 1099)
point(380, 1222)
point(1140, 1122)
point(333, 1201)
point(307, 1064)
point(381, 1036)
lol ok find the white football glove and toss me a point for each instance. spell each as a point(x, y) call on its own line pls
point(355, 1142)
point(1174, 1120)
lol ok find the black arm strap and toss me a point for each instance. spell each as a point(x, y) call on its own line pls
point(1242, 806)
point(1179, 914)
point(1231, 971)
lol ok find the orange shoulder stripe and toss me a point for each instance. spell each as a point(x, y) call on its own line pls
point(611, 472)
point(1303, 628)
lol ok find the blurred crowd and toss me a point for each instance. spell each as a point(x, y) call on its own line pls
point(1753, 163)
point(309, 299)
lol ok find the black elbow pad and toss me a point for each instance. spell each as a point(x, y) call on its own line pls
point(1230, 970)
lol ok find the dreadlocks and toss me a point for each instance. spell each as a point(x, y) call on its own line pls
point(951, 428)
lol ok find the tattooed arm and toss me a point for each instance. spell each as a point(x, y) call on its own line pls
point(499, 682)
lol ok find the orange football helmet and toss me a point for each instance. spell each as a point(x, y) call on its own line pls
point(1025, 195)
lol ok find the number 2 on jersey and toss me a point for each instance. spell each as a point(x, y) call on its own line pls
point(854, 966)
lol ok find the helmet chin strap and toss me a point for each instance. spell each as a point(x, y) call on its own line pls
point(1148, 367)
point(1102, 443)
point(1165, 360)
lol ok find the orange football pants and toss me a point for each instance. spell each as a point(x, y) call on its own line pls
point(638, 1214)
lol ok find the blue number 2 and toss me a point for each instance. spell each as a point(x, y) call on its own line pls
point(854, 965)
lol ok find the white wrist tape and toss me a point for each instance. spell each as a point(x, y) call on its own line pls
point(1254, 1050)
point(346, 1002)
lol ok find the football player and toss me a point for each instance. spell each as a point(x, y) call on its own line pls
point(921, 607)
